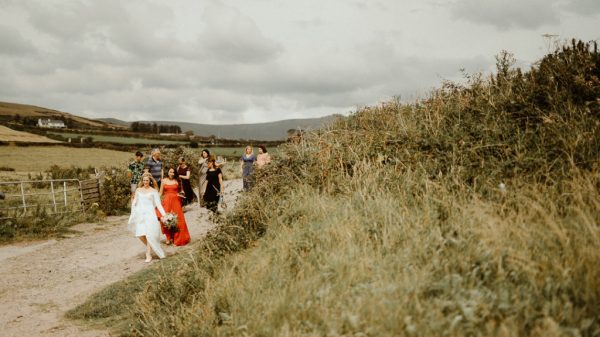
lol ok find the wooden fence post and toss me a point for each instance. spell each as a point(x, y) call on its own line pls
point(23, 197)
point(65, 191)
point(53, 196)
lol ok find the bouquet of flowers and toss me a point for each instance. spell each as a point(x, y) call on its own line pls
point(169, 221)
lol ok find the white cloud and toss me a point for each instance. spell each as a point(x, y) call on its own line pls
point(507, 14)
point(232, 37)
point(233, 61)
point(584, 7)
point(13, 43)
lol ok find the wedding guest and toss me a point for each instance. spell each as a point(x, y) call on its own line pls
point(247, 165)
point(171, 203)
point(202, 163)
point(143, 221)
point(214, 185)
point(135, 171)
point(184, 173)
point(263, 157)
point(155, 166)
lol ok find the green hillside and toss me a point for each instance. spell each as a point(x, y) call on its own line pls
point(20, 112)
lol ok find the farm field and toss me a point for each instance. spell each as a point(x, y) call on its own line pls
point(40, 158)
point(10, 135)
point(119, 140)
point(233, 152)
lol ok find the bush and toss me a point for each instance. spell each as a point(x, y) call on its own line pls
point(115, 191)
point(73, 172)
point(42, 224)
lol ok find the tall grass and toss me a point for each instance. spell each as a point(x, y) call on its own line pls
point(41, 223)
point(473, 212)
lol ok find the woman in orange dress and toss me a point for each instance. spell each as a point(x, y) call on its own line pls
point(170, 188)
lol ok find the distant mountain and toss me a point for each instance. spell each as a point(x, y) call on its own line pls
point(258, 131)
point(271, 131)
point(16, 110)
point(114, 121)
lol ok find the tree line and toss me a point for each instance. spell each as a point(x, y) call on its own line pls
point(154, 128)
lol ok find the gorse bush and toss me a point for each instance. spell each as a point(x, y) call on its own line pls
point(473, 212)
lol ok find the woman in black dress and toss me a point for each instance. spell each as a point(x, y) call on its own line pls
point(184, 172)
point(214, 185)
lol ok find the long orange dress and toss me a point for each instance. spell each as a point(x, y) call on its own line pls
point(171, 203)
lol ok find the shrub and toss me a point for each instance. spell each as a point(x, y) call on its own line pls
point(115, 191)
point(73, 172)
point(42, 224)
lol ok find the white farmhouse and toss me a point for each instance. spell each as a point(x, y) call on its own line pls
point(50, 123)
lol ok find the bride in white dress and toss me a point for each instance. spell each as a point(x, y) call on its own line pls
point(143, 221)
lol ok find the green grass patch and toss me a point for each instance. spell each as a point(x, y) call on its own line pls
point(116, 139)
point(111, 305)
point(42, 224)
point(42, 158)
point(234, 153)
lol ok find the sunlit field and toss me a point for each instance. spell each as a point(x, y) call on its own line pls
point(119, 140)
point(41, 158)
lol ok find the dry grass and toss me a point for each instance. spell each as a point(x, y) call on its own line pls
point(10, 135)
point(393, 222)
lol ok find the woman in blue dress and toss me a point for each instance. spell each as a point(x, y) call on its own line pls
point(247, 165)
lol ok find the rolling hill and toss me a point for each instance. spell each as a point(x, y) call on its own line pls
point(10, 135)
point(12, 110)
point(271, 131)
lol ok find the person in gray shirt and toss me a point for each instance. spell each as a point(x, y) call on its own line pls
point(155, 166)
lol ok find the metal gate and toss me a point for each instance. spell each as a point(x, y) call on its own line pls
point(56, 196)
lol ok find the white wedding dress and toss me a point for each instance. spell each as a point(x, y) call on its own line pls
point(143, 220)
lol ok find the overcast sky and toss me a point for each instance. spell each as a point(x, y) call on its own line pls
point(241, 61)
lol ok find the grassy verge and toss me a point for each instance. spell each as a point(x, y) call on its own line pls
point(40, 224)
point(110, 306)
point(472, 213)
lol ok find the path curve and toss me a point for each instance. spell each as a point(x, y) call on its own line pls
point(41, 281)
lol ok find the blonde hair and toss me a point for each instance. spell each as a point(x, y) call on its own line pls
point(152, 180)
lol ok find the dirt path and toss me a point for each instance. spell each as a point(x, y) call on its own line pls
point(41, 281)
